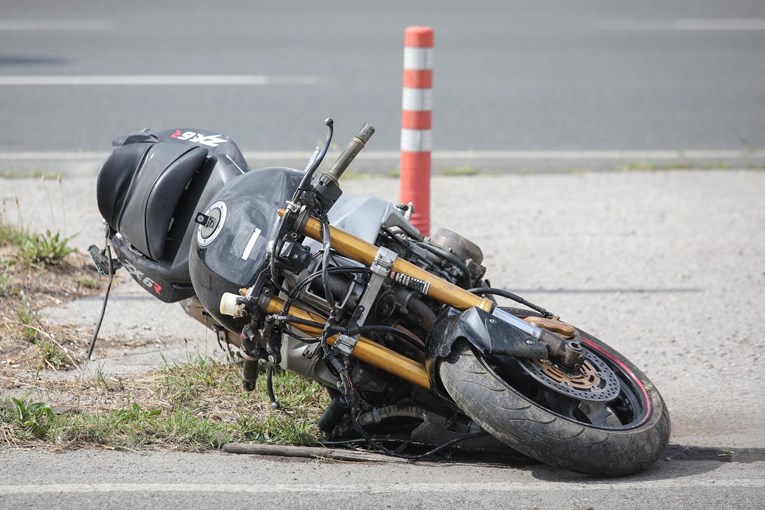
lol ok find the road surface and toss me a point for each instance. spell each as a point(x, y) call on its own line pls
point(517, 84)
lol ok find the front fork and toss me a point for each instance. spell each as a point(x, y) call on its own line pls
point(568, 352)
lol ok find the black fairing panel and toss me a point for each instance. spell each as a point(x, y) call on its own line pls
point(490, 335)
point(149, 191)
point(229, 254)
point(217, 144)
point(154, 193)
point(115, 177)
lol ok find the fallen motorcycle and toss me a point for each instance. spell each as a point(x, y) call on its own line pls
point(402, 329)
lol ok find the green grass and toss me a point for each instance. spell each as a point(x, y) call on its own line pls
point(194, 407)
point(6, 279)
point(654, 166)
point(28, 419)
point(26, 173)
point(52, 355)
point(46, 176)
point(460, 171)
point(88, 282)
point(29, 319)
point(13, 236)
point(47, 249)
point(25, 258)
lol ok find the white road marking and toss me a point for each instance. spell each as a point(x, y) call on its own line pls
point(55, 25)
point(685, 24)
point(374, 488)
point(156, 80)
point(636, 155)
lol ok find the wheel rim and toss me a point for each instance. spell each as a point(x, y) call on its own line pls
point(605, 393)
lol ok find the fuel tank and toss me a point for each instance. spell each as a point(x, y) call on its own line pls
point(229, 248)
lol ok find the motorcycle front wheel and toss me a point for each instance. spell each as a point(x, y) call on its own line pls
point(606, 418)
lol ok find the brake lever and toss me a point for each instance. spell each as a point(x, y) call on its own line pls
point(326, 185)
point(313, 164)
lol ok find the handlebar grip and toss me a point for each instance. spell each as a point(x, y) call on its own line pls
point(351, 151)
point(365, 133)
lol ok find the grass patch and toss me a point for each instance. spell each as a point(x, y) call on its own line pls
point(6, 279)
point(15, 173)
point(655, 166)
point(27, 419)
point(48, 249)
point(38, 271)
point(194, 407)
point(46, 176)
point(28, 319)
point(13, 236)
point(52, 355)
point(88, 281)
point(461, 171)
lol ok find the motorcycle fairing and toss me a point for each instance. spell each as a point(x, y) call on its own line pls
point(148, 191)
point(216, 144)
point(491, 336)
point(139, 187)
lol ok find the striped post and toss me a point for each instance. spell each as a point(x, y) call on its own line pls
point(416, 138)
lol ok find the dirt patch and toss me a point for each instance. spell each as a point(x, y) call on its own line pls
point(30, 346)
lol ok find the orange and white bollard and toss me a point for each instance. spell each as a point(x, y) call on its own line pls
point(416, 121)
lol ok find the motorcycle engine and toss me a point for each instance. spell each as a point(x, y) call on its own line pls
point(465, 250)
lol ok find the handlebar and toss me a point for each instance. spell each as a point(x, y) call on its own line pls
point(357, 143)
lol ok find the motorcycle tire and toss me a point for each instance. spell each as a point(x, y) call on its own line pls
point(630, 431)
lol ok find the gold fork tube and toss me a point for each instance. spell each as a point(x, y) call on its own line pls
point(357, 249)
point(365, 349)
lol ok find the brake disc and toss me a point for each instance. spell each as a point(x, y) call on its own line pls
point(593, 381)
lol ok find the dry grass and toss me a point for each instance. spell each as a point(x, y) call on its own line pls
point(196, 406)
point(48, 400)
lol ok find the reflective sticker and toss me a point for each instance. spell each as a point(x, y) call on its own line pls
point(250, 244)
point(416, 140)
point(418, 58)
point(417, 100)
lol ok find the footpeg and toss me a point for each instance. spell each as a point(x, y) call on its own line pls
point(102, 261)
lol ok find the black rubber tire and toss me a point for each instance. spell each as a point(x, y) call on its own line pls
point(548, 437)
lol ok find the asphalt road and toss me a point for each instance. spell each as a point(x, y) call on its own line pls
point(98, 479)
point(549, 77)
point(667, 267)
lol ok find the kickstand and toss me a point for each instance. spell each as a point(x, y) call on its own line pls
point(103, 261)
point(270, 387)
